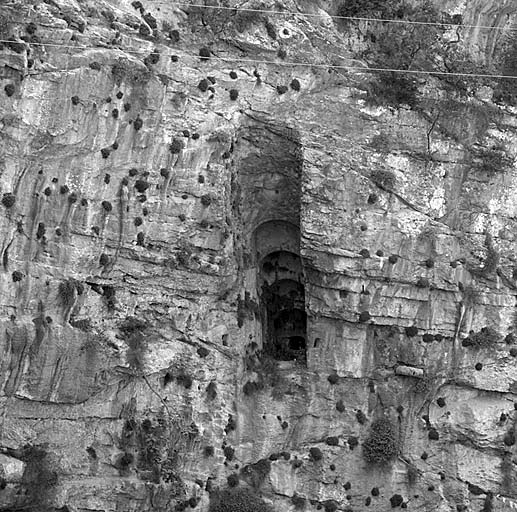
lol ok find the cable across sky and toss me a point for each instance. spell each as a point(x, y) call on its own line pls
point(284, 63)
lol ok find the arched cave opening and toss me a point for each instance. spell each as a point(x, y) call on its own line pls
point(282, 300)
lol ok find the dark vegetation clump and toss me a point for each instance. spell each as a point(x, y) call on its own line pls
point(234, 94)
point(365, 253)
point(108, 293)
point(422, 282)
point(383, 179)
point(17, 276)
point(229, 452)
point(67, 291)
point(8, 200)
point(203, 85)
point(75, 100)
point(9, 90)
point(298, 502)
point(233, 480)
point(396, 500)
point(176, 146)
point(433, 434)
point(206, 200)
point(237, 499)
point(381, 445)
point(316, 454)
point(393, 90)
point(295, 84)
point(202, 351)
point(40, 232)
point(333, 378)
point(332, 441)
point(105, 152)
point(106, 205)
point(141, 185)
point(204, 53)
point(411, 331)
point(281, 89)
point(270, 29)
point(486, 337)
point(364, 316)
point(361, 418)
point(184, 380)
point(509, 438)
point(138, 123)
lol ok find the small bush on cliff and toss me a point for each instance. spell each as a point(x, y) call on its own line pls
point(8, 200)
point(484, 338)
point(237, 499)
point(67, 291)
point(383, 179)
point(381, 8)
point(381, 445)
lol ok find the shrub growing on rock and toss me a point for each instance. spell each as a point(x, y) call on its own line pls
point(485, 338)
point(138, 123)
point(233, 480)
point(8, 200)
point(383, 179)
point(237, 499)
point(381, 445)
point(295, 84)
point(234, 94)
point(333, 378)
point(316, 454)
point(229, 452)
point(433, 434)
point(204, 53)
point(364, 316)
point(9, 90)
point(396, 500)
point(203, 85)
point(361, 418)
point(176, 146)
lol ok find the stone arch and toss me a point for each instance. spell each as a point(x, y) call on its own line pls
point(281, 295)
point(266, 203)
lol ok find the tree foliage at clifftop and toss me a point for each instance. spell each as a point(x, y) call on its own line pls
point(411, 47)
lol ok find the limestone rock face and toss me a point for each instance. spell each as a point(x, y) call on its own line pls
point(215, 262)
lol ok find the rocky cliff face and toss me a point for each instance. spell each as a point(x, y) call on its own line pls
point(221, 268)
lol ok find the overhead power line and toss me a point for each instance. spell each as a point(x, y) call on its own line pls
point(352, 18)
point(287, 63)
point(316, 15)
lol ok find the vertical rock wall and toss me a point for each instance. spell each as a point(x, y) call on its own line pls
point(148, 172)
